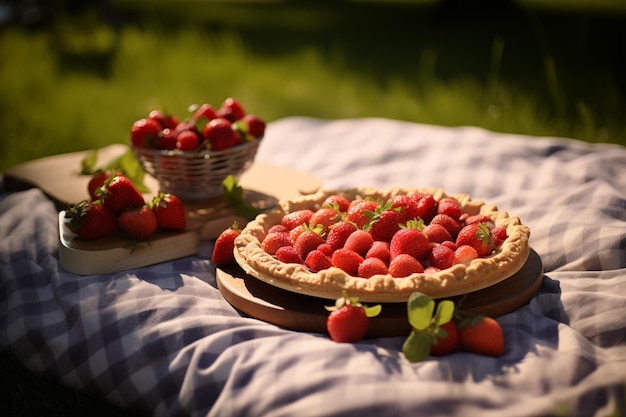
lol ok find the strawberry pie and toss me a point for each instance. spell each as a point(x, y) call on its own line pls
point(383, 245)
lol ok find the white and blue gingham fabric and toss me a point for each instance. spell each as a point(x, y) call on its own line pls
point(162, 340)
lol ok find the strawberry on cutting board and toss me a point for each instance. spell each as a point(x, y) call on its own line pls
point(90, 220)
point(138, 222)
point(97, 180)
point(169, 211)
point(119, 193)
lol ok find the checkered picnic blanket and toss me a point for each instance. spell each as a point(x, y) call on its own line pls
point(162, 341)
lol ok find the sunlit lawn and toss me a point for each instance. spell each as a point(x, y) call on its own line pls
point(509, 73)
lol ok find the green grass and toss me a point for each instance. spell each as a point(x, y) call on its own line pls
point(535, 73)
point(528, 71)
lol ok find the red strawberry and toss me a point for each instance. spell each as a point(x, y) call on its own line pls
point(220, 135)
point(441, 257)
point(119, 194)
point(404, 265)
point(379, 250)
point(372, 266)
point(187, 140)
point(224, 246)
point(90, 220)
point(254, 125)
point(348, 321)
point(338, 201)
point(407, 205)
point(188, 124)
point(446, 340)
point(296, 218)
point(436, 233)
point(306, 242)
point(451, 225)
point(431, 269)
point(144, 133)
point(326, 249)
point(426, 206)
point(464, 254)
point(277, 228)
point(205, 111)
point(477, 218)
point(450, 244)
point(170, 212)
point(482, 335)
point(411, 242)
point(499, 235)
point(167, 139)
point(478, 236)
point(449, 206)
point(98, 180)
point(138, 222)
point(231, 109)
point(273, 241)
point(338, 234)
point(297, 231)
point(288, 255)
point(316, 260)
point(386, 223)
point(166, 121)
point(357, 213)
point(359, 241)
point(325, 216)
point(347, 260)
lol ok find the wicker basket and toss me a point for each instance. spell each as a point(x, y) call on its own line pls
point(196, 175)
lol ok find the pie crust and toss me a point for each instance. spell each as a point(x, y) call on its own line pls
point(331, 283)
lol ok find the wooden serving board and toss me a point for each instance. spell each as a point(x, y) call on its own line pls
point(304, 313)
point(263, 184)
point(58, 177)
point(115, 253)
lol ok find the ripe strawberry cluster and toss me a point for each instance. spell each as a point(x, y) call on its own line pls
point(441, 329)
point(408, 233)
point(115, 205)
point(207, 128)
point(436, 329)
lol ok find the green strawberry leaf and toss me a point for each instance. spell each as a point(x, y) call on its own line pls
point(127, 163)
point(426, 326)
point(420, 310)
point(88, 164)
point(416, 347)
point(372, 311)
point(444, 312)
point(233, 194)
point(417, 224)
point(132, 169)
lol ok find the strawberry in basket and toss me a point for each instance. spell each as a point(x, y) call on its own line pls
point(208, 127)
point(192, 157)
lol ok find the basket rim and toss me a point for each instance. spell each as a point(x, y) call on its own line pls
point(192, 155)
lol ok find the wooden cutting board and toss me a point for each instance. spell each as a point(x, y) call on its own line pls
point(264, 184)
point(58, 176)
point(301, 312)
point(115, 253)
